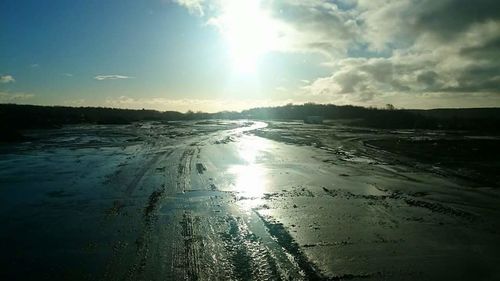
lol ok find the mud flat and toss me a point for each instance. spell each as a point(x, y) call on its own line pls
point(248, 200)
point(473, 158)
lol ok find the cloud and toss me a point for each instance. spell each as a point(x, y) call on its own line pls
point(4, 79)
point(311, 25)
point(111, 77)
point(207, 105)
point(428, 59)
point(7, 97)
point(75, 102)
point(389, 49)
point(448, 18)
point(316, 26)
point(401, 22)
point(193, 6)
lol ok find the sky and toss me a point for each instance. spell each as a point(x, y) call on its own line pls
point(214, 55)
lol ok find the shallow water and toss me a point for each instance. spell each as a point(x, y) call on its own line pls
point(222, 200)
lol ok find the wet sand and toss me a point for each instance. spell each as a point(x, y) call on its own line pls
point(232, 200)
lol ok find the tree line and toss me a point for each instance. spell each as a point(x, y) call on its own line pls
point(14, 118)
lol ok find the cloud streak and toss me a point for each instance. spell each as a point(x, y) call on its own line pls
point(14, 97)
point(111, 77)
point(4, 79)
point(208, 105)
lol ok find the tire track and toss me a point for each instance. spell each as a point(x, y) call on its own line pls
point(144, 169)
point(144, 241)
point(191, 248)
point(123, 252)
point(184, 169)
point(220, 242)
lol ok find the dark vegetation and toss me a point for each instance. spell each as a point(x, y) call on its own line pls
point(15, 118)
point(474, 119)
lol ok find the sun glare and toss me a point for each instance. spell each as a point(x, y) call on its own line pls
point(249, 32)
point(250, 177)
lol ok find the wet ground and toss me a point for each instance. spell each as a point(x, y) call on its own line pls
point(233, 200)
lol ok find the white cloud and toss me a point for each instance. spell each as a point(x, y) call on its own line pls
point(315, 26)
point(7, 97)
point(389, 49)
point(75, 102)
point(297, 26)
point(4, 79)
point(193, 6)
point(111, 77)
point(207, 105)
point(426, 66)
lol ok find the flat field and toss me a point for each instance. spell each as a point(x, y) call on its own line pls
point(249, 200)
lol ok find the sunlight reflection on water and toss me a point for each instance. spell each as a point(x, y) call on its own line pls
point(250, 178)
point(251, 148)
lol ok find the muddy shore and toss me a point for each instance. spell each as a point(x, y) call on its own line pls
point(233, 200)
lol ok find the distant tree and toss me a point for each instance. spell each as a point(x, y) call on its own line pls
point(390, 106)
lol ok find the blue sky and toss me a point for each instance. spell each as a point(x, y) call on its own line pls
point(215, 55)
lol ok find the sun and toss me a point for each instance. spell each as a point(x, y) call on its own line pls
point(249, 32)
